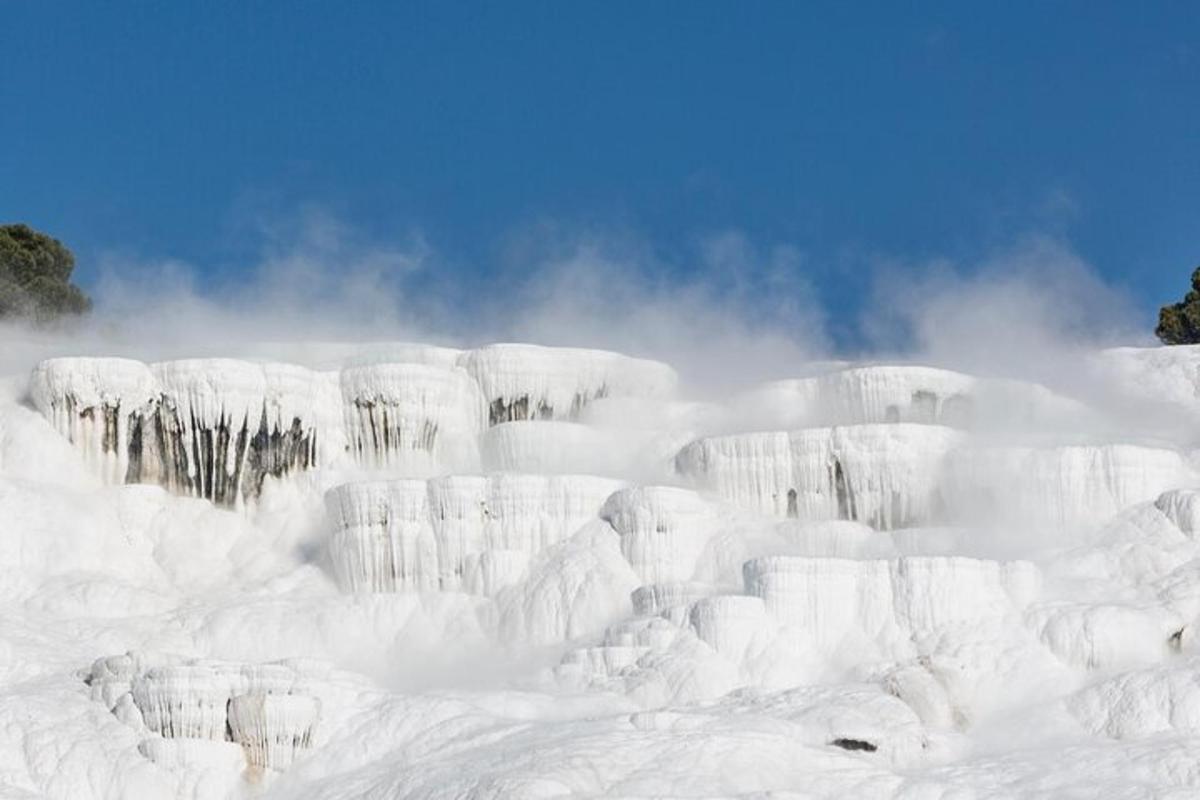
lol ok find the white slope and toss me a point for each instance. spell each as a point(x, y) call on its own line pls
point(524, 382)
point(1154, 374)
point(901, 475)
point(414, 419)
point(829, 600)
point(1061, 485)
point(270, 711)
point(217, 428)
point(848, 395)
point(400, 570)
point(884, 475)
point(454, 533)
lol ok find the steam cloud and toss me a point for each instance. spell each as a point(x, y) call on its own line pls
point(726, 313)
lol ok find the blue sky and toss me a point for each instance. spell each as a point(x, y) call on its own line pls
point(847, 133)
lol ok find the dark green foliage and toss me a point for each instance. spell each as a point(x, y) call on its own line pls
point(35, 276)
point(1180, 323)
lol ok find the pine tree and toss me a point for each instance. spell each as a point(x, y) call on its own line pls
point(35, 276)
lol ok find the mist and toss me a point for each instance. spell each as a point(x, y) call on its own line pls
point(726, 313)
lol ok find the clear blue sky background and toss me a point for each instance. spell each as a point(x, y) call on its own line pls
point(908, 130)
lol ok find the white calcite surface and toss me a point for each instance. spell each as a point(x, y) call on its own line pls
point(1142, 703)
point(1156, 374)
point(664, 531)
point(406, 570)
point(216, 428)
point(830, 599)
point(863, 395)
point(884, 475)
point(271, 711)
point(538, 446)
point(525, 382)
point(89, 400)
point(891, 393)
point(903, 475)
point(454, 533)
point(213, 428)
point(415, 419)
point(1182, 508)
point(1060, 485)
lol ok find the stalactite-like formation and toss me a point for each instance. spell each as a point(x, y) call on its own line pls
point(455, 533)
point(888, 476)
point(218, 428)
point(270, 710)
point(225, 461)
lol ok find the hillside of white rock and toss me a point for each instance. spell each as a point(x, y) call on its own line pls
point(396, 570)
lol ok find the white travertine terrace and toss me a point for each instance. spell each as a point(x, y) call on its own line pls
point(560, 575)
point(902, 475)
point(829, 599)
point(414, 419)
point(1065, 485)
point(216, 428)
point(455, 533)
point(1161, 375)
point(1142, 702)
point(884, 475)
point(657, 598)
point(870, 394)
point(271, 711)
point(890, 393)
point(664, 530)
point(526, 382)
point(544, 446)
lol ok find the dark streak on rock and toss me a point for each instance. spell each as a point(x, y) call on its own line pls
point(924, 406)
point(847, 508)
point(220, 463)
point(385, 432)
point(854, 744)
point(521, 409)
